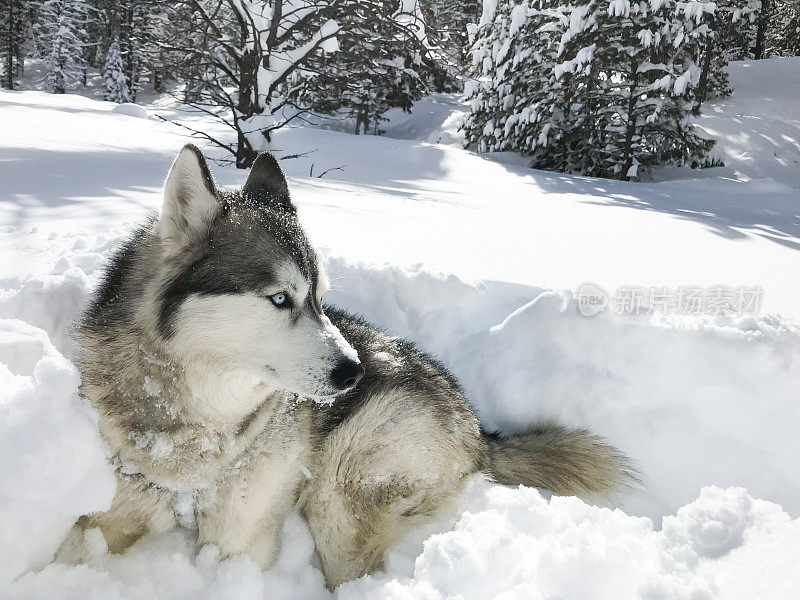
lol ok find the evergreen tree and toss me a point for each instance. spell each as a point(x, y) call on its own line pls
point(116, 84)
point(101, 28)
point(448, 23)
point(594, 87)
point(560, 81)
point(383, 61)
point(521, 92)
point(139, 27)
point(60, 37)
point(154, 33)
point(762, 25)
point(783, 33)
point(735, 27)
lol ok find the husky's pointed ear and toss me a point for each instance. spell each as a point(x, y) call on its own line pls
point(190, 199)
point(266, 182)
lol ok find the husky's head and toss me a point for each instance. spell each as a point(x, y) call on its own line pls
point(241, 288)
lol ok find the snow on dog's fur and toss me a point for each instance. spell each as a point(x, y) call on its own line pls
point(198, 350)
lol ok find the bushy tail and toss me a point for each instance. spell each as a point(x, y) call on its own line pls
point(568, 462)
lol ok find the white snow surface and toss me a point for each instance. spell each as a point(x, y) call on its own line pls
point(52, 462)
point(474, 259)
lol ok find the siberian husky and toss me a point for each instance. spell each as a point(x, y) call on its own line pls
point(221, 376)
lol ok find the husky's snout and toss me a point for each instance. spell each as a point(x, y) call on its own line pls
point(346, 374)
point(347, 370)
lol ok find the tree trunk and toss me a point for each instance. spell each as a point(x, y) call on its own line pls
point(158, 81)
point(131, 66)
point(761, 32)
point(245, 155)
point(630, 129)
point(20, 62)
point(702, 86)
point(247, 107)
point(59, 83)
point(363, 119)
point(9, 82)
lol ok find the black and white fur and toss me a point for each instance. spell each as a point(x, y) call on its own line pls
point(199, 349)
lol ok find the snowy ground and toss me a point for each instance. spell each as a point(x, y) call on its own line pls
point(474, 259)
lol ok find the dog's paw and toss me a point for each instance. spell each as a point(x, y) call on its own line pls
point(81, 545)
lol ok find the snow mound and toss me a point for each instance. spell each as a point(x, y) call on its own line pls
point(677, 394)
point(52, 463)
point(507, 543)
point(513, 543)
point(131, 110)
point(50, 303)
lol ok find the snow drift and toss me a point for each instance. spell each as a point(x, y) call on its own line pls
point(678, 395)
point(507, 543)
point(52, 463)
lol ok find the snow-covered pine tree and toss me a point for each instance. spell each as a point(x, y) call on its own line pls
point(383, 61)
point(141, 26)
point(129, 28)
point(60, 34)
point(114, 80)
point(733, 33)
point(596, 87)
point(186, 41)
point(508, 73)
point(530, 92)
point(659, 91)
point(571, 103)
point(765, 15)
point(102, 26)
point(448, 22)
point(783, 34)
point(156, 25)
point(735, 26)
point(434, 65)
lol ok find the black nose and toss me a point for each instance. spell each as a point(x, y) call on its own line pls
point(346, 374)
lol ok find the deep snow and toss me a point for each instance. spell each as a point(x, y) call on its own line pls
point(473, 259)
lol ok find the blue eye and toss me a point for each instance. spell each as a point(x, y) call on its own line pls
point(280, 300)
